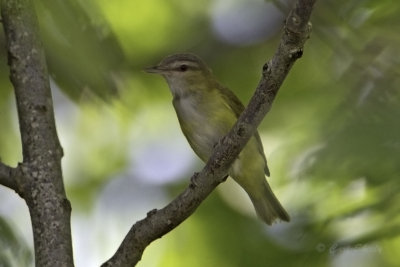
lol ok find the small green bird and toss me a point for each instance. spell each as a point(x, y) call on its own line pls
point(206, 112)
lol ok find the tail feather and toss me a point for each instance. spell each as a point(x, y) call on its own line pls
point(267, 206)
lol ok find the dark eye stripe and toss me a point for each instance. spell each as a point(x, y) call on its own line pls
point(183, 67)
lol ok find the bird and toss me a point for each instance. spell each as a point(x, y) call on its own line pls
point(206, 111)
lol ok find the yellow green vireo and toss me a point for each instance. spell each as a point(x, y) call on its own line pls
point(206, 112)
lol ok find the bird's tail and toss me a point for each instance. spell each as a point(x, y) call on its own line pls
point(267, 206)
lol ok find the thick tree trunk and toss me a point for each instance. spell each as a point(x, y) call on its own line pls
point(38, 179)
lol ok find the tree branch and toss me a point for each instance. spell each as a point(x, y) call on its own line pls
point(39, 176)
point(159, 222)
point(7, 178)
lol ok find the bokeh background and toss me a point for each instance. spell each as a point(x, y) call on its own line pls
point(332, 137)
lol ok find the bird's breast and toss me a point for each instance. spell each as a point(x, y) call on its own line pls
point(204, 121)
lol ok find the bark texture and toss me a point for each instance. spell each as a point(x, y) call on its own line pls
point(38, 179)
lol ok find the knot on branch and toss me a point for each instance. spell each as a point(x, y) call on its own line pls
point(294, 20)
point(297, 28)
point(193, 182)
point(151, 213)
point(267, 68)
point(241, 131)
point(296, 53)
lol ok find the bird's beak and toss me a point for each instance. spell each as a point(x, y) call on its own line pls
point(156, 69)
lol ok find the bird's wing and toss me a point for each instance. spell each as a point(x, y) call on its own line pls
point(237, 107)
point(261, 150)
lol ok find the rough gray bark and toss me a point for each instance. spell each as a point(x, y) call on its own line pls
point(38, 179)
point(159, 222)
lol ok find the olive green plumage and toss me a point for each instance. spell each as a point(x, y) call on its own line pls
point(206, 112)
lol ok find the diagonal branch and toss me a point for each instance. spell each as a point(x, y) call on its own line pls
point(159, 222)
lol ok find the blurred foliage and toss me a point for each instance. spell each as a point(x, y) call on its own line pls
point(13, 250)
point(332, 137)
point(66, 25)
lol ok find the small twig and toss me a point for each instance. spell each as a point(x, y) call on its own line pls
point(6, 177)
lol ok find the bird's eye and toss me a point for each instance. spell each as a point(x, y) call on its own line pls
point(183, 67)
